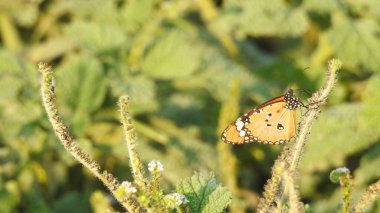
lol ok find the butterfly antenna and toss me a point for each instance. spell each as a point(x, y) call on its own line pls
point(303, 90)
point(303, 105)
point(306, 91)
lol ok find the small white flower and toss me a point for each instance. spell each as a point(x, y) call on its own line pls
point(155, 166)
point(342, 170)
point(176, 199)
point(128, 187)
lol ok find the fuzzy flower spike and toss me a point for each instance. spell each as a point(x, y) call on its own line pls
point(155, 166)
point(175, 199)
point(129, 188)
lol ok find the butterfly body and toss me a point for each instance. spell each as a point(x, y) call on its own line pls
point(273, 122)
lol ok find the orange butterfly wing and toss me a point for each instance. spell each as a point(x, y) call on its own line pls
point(270, 123)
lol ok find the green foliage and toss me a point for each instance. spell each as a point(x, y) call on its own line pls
point(173, 56)
point(96, 38)
point(177, 61)
point(204, 194)
point(83, 88)
point(356, 41)
point(258, 18)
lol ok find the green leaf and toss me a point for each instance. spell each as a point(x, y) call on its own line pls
point(263, 18)
point(36, 204)
point(72, 202)
point(12, 64)
point(370, 121)
point(96, 37)
point(356, 42)
point(363, 8)
point(25, 15)
point(81, 88)
point(218, 73)
point(10, 86)
point(107, 14)
point(9, 196)
point(135, 13)
point(368, 169)
point(173, 56)
point(366, 8)
point(321, 5)
point(341, 131)
point(140, 89)
point(371, 101)
point(336, 133)
point(204, 194)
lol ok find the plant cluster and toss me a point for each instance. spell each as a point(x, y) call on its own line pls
point(189, 68)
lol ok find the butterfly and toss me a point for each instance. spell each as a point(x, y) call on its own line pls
point(273, 122)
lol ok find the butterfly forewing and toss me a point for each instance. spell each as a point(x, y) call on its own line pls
point(272, 122)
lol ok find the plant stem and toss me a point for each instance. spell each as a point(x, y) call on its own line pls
point(131, 137)
point(295, 205)
point(291, 156)
point(346, 186)
point(61, 130)
point(315, 102)
point(367, 198)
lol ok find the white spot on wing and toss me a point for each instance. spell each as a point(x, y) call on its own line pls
point(239, 125)
point(242, 133)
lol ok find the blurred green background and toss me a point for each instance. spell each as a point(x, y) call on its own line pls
point(182, 62)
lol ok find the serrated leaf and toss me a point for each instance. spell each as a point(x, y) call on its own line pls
point(264, 18)
point(356, 42)
point(173, 56)
point(94, 36)
point(218, 200)
point(218, 73)
point(204, 194)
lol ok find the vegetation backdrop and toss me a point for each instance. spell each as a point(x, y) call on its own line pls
point(181, 62)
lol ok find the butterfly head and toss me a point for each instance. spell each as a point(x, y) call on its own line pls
point(292, 101)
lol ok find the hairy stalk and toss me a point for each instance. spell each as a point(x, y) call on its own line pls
point(272, 187)
point(295, 205)
point(367, 198)
point(291, 156)
point(346, 186)
point(315, 102)
point(61, 130)
point(131, 137)
point(343, 177)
